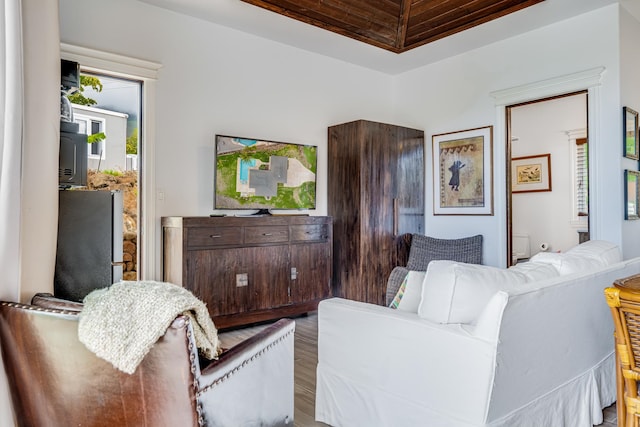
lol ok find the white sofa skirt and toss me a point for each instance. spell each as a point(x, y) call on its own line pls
point(342, 403)
point(553, 408)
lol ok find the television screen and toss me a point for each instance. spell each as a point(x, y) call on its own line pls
point(258, 174)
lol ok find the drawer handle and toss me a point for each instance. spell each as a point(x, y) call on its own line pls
point(214, 236)
point(267, 234)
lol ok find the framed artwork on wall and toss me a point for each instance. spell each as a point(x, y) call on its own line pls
point(631, 194)
point(630, 133)
point(463, 172)
point(531, 173)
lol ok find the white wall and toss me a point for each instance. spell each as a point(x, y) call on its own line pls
point(455, 94)
point(630, 97)
point(217, 80)
point(542, 128)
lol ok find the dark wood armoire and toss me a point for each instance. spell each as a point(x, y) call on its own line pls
point(375, 195)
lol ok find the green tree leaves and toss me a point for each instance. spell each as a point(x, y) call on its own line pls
point(86, 81)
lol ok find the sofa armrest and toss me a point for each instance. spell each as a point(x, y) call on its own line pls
point(372, 356)
point(393, 283)
point(251, 383)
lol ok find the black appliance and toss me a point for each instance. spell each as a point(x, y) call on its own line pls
point(69, 74)
point(72, 164)
point(89, 252)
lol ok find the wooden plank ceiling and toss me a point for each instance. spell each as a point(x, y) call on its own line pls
point(394, 25)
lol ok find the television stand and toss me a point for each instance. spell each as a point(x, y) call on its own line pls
point(247, 269)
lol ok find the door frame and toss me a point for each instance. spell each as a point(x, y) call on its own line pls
point(588, 80)
point(146, 71)
point(509, 141)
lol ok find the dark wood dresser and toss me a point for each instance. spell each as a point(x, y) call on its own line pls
point(250, 269)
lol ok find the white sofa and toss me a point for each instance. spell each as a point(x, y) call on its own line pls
point(531, 345)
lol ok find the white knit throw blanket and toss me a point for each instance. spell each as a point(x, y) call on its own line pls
point(121, 323)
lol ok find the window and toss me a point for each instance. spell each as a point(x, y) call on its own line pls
point(91, 126)
point(582, 177)
point(579, 153)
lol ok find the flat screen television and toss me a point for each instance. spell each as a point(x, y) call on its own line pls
point(264, 175)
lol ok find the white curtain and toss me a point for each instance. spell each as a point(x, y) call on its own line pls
point(10, 149)
point(10, 167)
point(29, 135)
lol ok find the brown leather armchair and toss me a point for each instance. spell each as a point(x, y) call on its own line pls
point(55, 381)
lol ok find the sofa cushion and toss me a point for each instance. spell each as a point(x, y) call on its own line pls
point(408, 296)
point(607, 252)
point(535, 271)
point(455, 292)
point(588, 256)
point(567, 264)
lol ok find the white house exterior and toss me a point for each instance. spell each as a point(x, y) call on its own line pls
point(110, 153)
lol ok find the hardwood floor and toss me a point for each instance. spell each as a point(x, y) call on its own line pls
point(610, 417)
point(306, 358)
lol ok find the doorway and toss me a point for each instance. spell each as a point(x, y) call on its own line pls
point(108, 110)
point(100, 62)
point(547, 175)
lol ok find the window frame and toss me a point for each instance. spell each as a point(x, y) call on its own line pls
point(578, 141)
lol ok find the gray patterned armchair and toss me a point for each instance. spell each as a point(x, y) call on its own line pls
point(425, 249)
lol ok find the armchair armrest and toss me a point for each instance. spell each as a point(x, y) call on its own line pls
point(46, 300)
point(251, 383)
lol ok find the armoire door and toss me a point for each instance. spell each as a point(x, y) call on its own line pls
point(375, 195)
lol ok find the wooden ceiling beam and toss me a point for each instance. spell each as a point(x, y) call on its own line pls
point(428, 27)
point(394, 25)
point(403, 23)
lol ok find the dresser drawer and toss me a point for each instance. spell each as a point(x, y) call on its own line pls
point(213, 236)
point(273, 234)
point(306, 233)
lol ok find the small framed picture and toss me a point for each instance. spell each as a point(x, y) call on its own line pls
point(630, 133)
point(531, 173)
point(462, 172)
point(631, 194)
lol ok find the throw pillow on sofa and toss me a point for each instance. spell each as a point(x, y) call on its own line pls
point(425, 249)
point(410, 292)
